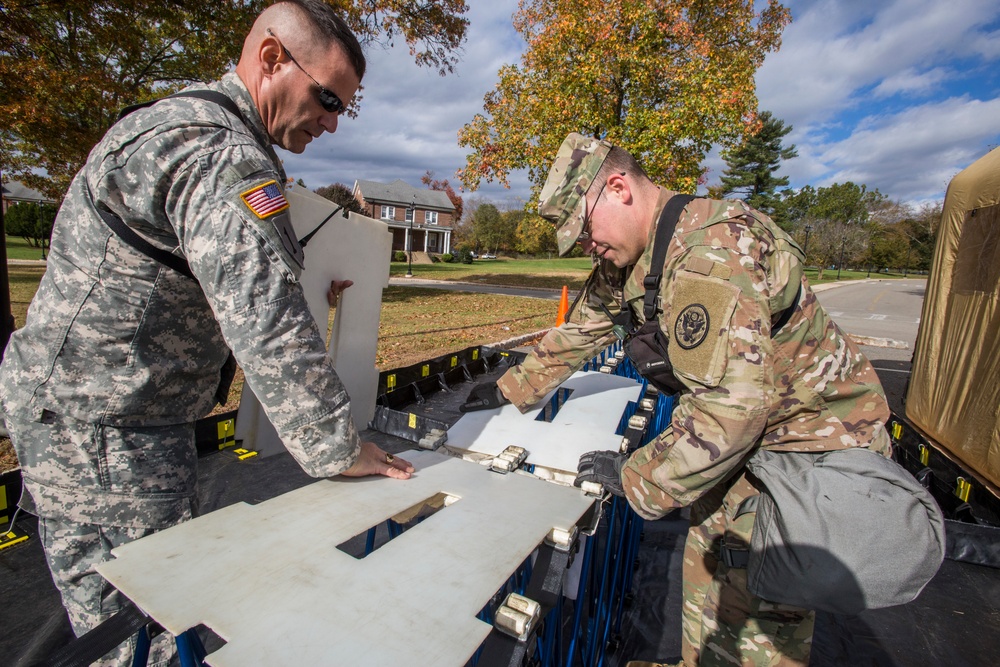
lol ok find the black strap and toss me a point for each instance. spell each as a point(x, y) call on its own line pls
point(129, 235)
point(92, 646)
point(305, 239)
point(212, 96)
point(664, 232)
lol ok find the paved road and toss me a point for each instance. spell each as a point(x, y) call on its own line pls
point(887, 309)
point(879, 308)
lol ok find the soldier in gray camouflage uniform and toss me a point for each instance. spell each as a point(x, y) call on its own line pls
point(120, 354)
point(730, 274)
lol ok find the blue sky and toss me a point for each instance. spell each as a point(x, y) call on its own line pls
point(897, 94)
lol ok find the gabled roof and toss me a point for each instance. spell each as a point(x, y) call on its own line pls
point(401, 193)
point(19, 191)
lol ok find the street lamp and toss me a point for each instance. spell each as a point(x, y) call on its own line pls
point(805, 250)
point(409, 240)
point(840, 264)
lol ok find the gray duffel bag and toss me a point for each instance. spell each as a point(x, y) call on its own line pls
point(840, 531)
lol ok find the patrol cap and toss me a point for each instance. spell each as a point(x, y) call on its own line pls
point(562, 199)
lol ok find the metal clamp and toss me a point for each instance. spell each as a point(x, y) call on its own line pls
point(562, 539)
point(509, 459)
point(517, 616)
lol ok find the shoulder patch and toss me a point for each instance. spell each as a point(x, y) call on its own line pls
point(265, 199)
point(698, 323)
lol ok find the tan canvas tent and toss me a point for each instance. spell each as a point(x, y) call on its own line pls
point(954, 394)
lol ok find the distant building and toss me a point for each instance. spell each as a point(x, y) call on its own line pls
point(428, 213)
point(16, 193)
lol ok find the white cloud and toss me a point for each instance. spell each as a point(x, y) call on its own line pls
point(913, 154)
point(834, 50)
point(911, 81)
point(863, 84)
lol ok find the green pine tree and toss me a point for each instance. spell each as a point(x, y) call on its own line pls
point(752, 166)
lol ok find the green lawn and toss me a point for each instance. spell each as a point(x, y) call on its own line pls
point(18, 248)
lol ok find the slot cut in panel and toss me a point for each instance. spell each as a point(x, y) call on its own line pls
point(552, 407)
point(413, 515)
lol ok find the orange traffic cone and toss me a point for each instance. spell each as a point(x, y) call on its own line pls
point(563, 307)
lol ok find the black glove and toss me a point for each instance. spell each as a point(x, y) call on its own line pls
point(604, 468)
point(484, 396)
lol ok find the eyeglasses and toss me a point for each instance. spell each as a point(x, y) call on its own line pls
point(587, 215)
point(327, 98)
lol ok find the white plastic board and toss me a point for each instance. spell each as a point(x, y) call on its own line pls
point(356, 248)
point(270, 581)
point(585, 422)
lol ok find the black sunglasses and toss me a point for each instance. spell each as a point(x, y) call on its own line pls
point(327, 98)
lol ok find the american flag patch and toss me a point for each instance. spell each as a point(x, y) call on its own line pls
point(265, 200)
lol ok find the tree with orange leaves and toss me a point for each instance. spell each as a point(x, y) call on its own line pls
point(67, 68)
point(664, 79)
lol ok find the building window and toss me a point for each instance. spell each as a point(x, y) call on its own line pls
point(431, 217)
point(409, 215)
point(388, 212)
point(432, 241)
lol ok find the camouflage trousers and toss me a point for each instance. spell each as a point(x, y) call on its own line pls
point(72, 551)
point(95, 487)
point(722, 623)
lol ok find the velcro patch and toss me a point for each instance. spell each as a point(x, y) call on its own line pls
point(702, 308)
point(265, 200)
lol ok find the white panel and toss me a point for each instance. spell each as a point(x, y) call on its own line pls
point(586, 422)
point(269, 580)
point(357, 248)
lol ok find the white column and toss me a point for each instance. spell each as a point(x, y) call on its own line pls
point(426, 236)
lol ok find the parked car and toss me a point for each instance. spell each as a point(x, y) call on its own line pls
point(489, 256)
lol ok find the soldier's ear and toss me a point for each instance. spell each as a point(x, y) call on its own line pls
point(618, 186)
point(269, 54)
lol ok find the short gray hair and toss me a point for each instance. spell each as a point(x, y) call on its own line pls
point(331, 26)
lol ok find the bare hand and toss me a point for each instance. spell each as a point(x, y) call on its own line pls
point(375, 461)
point(336, 287)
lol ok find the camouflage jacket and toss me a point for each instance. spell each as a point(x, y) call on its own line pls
point(113, 337)
point(807, 388)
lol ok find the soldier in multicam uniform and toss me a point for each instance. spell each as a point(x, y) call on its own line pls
point(729, 278)
point(120, 354)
